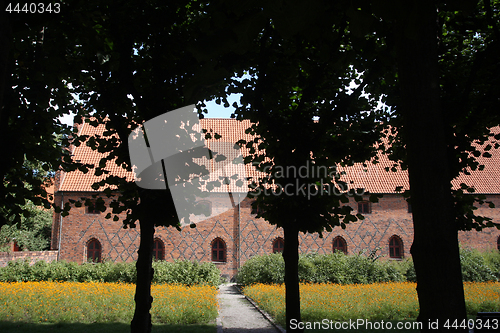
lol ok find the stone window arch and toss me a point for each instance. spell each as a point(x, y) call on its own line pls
point(339, 244)
point(396, 249)
point(278, 245)
point(158, 249)
point(94, 250)
point(218, 247)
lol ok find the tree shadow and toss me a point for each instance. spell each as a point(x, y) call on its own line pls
point(21, 327)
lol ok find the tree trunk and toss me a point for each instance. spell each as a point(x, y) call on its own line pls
point(141, 323)
point(5, 40)
point(291, 258)
point(435, 248)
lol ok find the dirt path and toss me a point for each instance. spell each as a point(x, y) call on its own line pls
point(238, 315)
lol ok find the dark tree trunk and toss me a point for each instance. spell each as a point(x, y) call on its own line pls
point(291, 258)
point(5, 40)
point(141, 323)
point(435, 248)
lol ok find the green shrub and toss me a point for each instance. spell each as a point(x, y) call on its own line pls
point(209, 273)
point(186, 272)
point(316, 268)
point(474, 267)
point(367, 269)
point(395, 271)
point(331, 268)
point(307, 270)
point(492, 260)
point(356, 270)
point(361, 268)
point(121, 272)
point(41, 271)
point(181, 272)
point(265, 269)
point(16, 271)
point(408, 270)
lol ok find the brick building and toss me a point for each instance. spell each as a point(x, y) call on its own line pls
point(230, 238)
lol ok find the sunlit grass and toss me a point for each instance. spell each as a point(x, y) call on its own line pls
point(95, 302)
point(19, 327)
point(373, 302)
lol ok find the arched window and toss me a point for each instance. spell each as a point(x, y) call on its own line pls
point(339, 244)
point(94, 251)
point(278, 245)
point(218, 250)
point(158, 249)
point(395, 247)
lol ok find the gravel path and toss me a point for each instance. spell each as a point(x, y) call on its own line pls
point(238, 315)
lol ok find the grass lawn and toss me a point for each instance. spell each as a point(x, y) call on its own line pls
point(76, 304)
point(53, 307)
point(373, 303)
point(16, 327)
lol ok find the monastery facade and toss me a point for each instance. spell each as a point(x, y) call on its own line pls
point(231, 237)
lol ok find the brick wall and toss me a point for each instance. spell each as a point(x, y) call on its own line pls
point(33, 256)
point(487, 239)
point(246, 236)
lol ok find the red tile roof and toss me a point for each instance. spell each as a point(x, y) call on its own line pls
point(77, 181)
point(486, 181)
point(373, 178)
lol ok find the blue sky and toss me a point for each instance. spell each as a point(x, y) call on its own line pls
point(219, 111)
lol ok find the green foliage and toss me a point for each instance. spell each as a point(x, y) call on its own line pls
point(330, 267)
point(35, 95)
point(408, 270)
point(178, 272)
point(32, 232)
point(474, 267)
point(186, 272)
point(265, 269)
point(360, 268)
point(306, 269)
point(317, 268)
point(492, 260)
